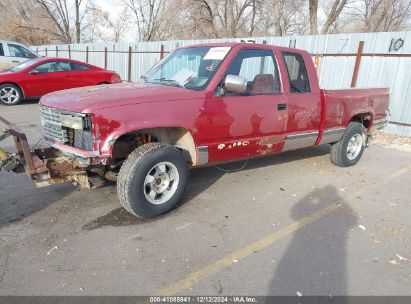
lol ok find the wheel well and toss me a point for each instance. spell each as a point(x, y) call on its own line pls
point(104, 82)
point(179, 137)
point(363, 118)
point(13, 83)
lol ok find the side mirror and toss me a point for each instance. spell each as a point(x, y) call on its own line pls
point(33, 72)
point(235, 84)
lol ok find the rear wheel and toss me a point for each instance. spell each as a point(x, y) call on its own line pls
point(10, 94)
point(152, 180)
point(348, 151)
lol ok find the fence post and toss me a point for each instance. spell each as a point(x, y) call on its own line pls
point(105, 57)
point(69, 51)
point(86, 54)
point(162, 51)
point(357, 64)
point(57, 51)
point(129, 64)
point(262, 63)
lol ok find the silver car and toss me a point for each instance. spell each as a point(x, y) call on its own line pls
point(13, 53)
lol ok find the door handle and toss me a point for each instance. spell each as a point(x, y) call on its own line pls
point(282, 106)
point(15, 61)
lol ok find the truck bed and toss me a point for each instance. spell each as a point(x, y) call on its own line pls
point(341, 106)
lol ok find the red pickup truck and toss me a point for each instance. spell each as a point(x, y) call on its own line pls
point(201, 105)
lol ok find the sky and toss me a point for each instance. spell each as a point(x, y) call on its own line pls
point(114, 7)
point(109, 5)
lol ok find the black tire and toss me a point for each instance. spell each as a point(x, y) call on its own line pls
point(339, 151)
point(8, 87)
point(131, 187)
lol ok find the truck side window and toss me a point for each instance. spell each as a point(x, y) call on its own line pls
point(260, 70)
point(1, 49)
point(297, 73)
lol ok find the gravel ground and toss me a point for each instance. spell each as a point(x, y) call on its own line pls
point(392, 141)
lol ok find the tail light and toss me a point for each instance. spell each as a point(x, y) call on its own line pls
point(115, 78)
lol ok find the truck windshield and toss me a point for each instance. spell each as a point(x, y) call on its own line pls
point(190, 68)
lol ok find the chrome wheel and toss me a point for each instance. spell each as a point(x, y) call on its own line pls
point(9, 95)
point(161, 183)
point(354, 146)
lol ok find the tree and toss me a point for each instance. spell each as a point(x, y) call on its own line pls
point(333, 15)
point(284, 17)
point(223, 18)
point(149, 17)
point(313, 10)
point(277, 19)
point(23, 21)
point(61, 13)
point(384, 15)
point(106, 27)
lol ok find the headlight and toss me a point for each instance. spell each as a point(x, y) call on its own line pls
point(72, 122)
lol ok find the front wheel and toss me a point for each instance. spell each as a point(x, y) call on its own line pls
point(10, 94)
point(152, 180)
point(348, 151)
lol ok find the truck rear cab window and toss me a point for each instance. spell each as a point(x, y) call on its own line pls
point(297, 73)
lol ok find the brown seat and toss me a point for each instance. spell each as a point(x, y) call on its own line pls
point(263, 84)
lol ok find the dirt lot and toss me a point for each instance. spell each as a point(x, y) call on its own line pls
point(286, 224)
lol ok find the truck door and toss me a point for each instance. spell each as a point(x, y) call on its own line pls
point(253, 122)
point(304, 101)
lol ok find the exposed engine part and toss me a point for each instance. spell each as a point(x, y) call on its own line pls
point(116, 165)
point(111, 176)
point(9, 162)
point(80, 180)
point(128, 143)
point(100, 170)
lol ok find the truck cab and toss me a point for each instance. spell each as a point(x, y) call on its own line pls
point(201, 105)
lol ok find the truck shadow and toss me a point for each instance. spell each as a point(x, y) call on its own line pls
point(314, 263)
point(200, 180)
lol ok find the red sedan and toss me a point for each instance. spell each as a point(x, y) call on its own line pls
point(35, 78)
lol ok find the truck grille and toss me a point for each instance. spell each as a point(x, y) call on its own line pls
point(51, 124)
point(54, 130)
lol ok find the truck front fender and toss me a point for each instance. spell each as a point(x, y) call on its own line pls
point(176, 136)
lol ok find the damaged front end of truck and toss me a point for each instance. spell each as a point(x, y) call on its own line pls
point(45, 166)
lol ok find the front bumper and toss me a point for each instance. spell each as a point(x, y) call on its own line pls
point(45, 166)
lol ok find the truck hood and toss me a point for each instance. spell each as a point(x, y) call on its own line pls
point(90, 99)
